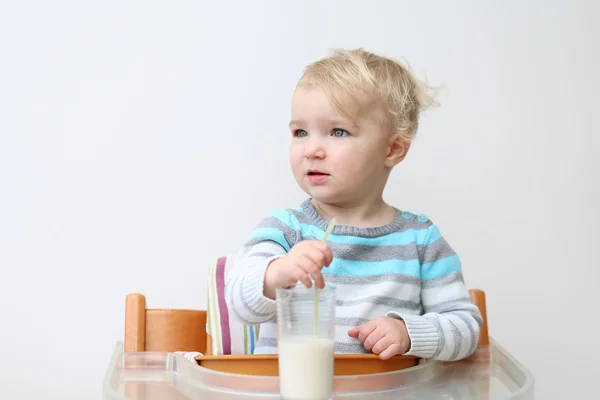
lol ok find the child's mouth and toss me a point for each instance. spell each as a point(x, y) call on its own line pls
point(317, 176)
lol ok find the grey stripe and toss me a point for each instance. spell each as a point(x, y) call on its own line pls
point(289, 234)
point(473, 314)
point(471, 331)
point(349, 348)
point(443, 280)
point(441, 338)
point(361, 252)
point(352, 322)
point(399, 224)
point(253, 241)
point(381, 301)
point(435, 251)
point(479, 319)
point(450, 305)
point(245, 303)
point(303, 218)
point(263, 254)
point(339, 347)
point(266, 342)
point(263, 249)
point(457, 341)
point(368, 280)
point(300, 216)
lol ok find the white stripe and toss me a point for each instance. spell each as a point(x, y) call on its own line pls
point(368, 309)
point(397, 290)
point(441, 294)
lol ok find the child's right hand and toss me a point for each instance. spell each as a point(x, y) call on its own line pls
point(305, 260)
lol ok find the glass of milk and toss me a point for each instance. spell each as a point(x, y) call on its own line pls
point(306, 336)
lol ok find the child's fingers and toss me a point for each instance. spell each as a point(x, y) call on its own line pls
point(372, 338)
point(300, 274)
point(382, 344)
point(318, 278)
point(354, 332)
point(317, 255)
point(320, 253)
point(313, 270)
point(361, 332)
point(390, 352)
point(327, 253)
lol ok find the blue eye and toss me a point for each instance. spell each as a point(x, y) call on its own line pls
point(301, 133)
point(339, 133)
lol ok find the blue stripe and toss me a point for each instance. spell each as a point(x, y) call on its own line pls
point(251, 339)
point(286, 217)
point(417, 237)
point(273, 234)
point(367, 268)
point(441, 267)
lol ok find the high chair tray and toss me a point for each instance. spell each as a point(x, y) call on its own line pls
point(267, 365)
point(491, 374)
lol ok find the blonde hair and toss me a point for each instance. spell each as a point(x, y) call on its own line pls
point(356, 81)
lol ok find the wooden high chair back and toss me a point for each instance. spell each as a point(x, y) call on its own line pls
point(478, 298)
point(163, 330)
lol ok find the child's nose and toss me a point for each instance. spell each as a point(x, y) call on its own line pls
point(314, 149)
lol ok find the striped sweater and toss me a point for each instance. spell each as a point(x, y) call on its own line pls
point(404, 270)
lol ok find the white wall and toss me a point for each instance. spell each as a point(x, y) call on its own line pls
point(133, 142)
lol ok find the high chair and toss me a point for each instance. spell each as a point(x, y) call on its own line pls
point(144, 366)
point(162, 330)
point(212, 331)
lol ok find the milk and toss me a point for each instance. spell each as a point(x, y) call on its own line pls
point(306, 368)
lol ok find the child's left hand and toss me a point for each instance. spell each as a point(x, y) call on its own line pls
point(385, 336)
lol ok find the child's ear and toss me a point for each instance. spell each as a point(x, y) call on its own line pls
point(397, 149)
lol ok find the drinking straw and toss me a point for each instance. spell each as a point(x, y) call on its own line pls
point(316, 290)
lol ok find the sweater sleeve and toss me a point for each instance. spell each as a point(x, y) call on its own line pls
point(450, 325)
point(244, 289)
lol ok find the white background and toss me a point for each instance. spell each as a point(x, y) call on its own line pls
point(139, 140)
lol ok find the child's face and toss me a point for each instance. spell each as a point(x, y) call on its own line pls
point(333, 159)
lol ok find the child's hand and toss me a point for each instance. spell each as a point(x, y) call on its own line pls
point(305, 260)
point(385, 336)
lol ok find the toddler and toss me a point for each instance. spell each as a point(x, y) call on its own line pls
point(399, 285)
